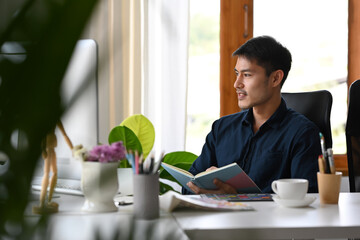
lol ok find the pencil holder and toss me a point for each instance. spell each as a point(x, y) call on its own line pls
point(329, 187)
point(146, 196)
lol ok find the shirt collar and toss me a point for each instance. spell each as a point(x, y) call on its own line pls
point(274, 121)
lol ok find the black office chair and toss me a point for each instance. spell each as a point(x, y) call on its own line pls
point(352, 133)
point(316, 106)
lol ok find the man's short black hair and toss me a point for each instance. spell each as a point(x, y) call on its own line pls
point(268, 53)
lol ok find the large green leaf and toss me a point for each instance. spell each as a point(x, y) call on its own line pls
point(129, 139)
point(143, 129)
point(179, 157)
point(127, 136)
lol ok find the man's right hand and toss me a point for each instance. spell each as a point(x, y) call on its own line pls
point(223, 188)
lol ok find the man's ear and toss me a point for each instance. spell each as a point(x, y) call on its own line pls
point(277, 77)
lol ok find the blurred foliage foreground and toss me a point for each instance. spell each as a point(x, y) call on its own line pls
point(30, 103)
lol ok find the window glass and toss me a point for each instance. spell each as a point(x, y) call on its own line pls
point(203, 100)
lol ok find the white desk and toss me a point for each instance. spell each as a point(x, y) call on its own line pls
point(268, 221)
point(71, 223)
point(271, 221)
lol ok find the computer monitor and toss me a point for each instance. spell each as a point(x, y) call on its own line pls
point(79, 91)
point(80, 120)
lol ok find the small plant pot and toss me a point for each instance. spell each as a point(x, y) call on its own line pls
point(99, 183)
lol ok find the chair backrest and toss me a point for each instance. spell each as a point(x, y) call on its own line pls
point(316, 106)
point(352, 133)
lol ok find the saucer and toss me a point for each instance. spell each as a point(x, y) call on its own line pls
point(294, 203)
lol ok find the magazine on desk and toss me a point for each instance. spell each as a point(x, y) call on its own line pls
point(231, 174)
point(172, 200)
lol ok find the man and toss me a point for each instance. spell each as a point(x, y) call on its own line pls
point(267, 140)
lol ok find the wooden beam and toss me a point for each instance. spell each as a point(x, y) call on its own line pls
point(354, 41)
point(236, 27)
point(341, 164)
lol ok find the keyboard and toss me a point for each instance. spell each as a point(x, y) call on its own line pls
point(65, 186)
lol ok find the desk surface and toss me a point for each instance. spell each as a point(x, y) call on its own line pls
point(72, 223)
point(271, 221)
point(268, 221)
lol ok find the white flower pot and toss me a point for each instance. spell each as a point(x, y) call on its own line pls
point(99, 184)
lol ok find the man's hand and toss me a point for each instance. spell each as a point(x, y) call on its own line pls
point(222, 188)
point(211, 168)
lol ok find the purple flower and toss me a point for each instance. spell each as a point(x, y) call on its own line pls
point(107, 153)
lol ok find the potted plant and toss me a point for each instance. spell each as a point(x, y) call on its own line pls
point(138, 134)
point(99, 181)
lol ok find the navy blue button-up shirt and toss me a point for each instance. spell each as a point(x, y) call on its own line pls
point(287, 145)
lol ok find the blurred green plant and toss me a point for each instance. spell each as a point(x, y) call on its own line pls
point(138, 134)
point(30, 103)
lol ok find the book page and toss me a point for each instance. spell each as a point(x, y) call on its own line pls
point(214, 170)
point(179, 169)
point(171, 200)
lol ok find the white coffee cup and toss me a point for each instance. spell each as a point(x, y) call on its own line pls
point(291, 188)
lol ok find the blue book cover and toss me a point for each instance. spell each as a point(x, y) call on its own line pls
point(231, 174)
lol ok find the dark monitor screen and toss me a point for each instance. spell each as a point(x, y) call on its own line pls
point(79, 92)
point(81, 118)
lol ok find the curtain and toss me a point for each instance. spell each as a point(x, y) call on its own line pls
point(165, 71)
point(143, 53)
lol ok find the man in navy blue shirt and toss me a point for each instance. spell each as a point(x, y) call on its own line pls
point(268, 140)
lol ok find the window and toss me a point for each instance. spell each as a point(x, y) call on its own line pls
point(203, 104)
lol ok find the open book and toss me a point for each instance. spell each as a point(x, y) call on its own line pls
point(172, 200)
point(231, 174)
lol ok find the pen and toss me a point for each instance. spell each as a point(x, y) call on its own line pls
point(324, 152)
point(158, 164)
point(130, 158)
point(331, 160)
point(321, 164)
point(147, 164)
point(151, 164)
point(136, 162)
point(141, 165)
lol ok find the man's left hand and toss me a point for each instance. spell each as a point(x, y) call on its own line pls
point(223, 188)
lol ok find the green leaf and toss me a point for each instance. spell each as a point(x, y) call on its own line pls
point(127, 136)
point(143, 129)
point(124, 164)
point(179, 157)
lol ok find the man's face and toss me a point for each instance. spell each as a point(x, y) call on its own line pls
point(252, 86)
